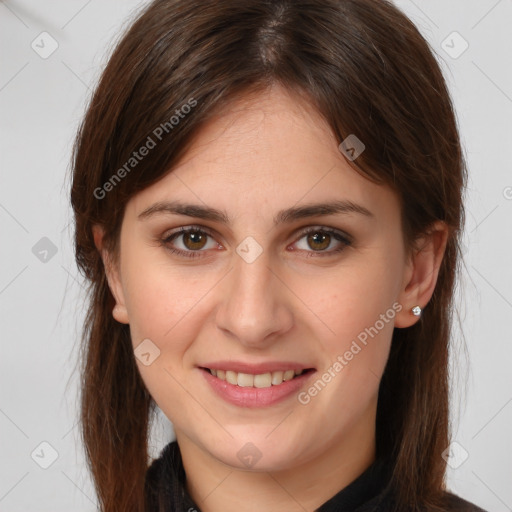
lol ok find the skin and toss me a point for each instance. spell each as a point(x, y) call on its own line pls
point(265, 154)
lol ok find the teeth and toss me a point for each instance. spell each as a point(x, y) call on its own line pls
point(231, 377)
point(288, 375)
point(277, 378)
point(245, 380)
point(262, 380)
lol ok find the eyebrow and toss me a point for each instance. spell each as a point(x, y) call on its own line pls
point(283, 216)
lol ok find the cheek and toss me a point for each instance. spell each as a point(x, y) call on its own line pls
point(164, 306)
point(353, 299)
point(355, 348)
point(161, 298)
point(354, 320)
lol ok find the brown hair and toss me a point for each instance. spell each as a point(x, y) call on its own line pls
point(368, 71)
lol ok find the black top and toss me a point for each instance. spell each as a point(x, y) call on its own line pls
point(370, 492)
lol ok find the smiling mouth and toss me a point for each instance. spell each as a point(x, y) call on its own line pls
point(262, 380)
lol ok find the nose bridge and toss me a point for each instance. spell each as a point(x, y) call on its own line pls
point(251, 288)
point(254, 280)
point(254, 308)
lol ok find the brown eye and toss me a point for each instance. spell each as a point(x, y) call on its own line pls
point(319, 241)
point(194, 240)
point(190, 242)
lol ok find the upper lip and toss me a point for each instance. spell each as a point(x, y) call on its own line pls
point(255, 369)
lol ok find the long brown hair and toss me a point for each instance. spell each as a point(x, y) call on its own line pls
point(368, 71)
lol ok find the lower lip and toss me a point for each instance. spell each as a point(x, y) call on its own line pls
point(255, 397)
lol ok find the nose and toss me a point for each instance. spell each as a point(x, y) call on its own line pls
point(255, 308)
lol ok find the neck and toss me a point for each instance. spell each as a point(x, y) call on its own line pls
point(217, 487)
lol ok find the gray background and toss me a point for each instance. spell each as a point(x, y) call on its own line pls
point(41, 295)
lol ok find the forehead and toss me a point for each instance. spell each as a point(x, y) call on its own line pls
point(273, 150)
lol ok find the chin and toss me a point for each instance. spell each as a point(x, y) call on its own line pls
point(255, 452)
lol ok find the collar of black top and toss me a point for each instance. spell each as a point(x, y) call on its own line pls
point(166, 491)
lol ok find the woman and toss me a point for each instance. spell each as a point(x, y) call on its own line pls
point(267, 198)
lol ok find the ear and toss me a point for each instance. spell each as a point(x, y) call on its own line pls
point(119, 312)
point(422, 270)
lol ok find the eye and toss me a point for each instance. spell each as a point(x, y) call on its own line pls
point(190, 241)
point(318, 240)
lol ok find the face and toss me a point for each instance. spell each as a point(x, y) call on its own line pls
point(257, 281)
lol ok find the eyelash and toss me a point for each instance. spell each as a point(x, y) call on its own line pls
point(344, 239)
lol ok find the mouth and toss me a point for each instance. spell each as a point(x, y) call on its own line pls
point(255, 384)
point(260, 380)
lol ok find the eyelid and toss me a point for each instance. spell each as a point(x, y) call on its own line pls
point(300, 232)
point(326, 229)
point(184, 229)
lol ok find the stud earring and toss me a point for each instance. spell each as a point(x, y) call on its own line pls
point(416, 311)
